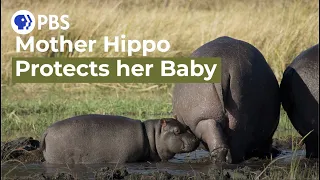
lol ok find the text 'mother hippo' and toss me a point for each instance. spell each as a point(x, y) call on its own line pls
point(90, 139)
point(236, 118)
point(300, 97)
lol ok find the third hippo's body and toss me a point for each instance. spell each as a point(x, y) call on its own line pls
point(300, 97)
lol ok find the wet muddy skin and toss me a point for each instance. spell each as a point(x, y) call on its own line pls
point(20, 159)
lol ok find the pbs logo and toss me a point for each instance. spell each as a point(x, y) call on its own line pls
point(23, 22)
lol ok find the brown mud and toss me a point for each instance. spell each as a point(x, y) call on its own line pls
point(107, 173)
point(25, 149)
point(24, 152)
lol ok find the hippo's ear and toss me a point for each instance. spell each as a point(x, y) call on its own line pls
point(163, 123)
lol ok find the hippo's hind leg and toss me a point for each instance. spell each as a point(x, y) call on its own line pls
point(212, 133)
point(237, 143)
point(263, 150)
point(312, 150)
point(242, 150)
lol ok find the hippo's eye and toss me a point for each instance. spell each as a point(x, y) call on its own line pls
point(176, 130)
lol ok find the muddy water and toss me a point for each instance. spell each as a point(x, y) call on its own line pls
point(190, 164)
point(182, 164)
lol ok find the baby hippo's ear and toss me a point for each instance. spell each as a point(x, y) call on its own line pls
point(163, 123)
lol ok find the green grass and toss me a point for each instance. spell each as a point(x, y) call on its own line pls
point(280, 29)
point(29, 113)
point(26, 114)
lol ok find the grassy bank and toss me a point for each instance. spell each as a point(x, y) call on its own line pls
point(280, 29)
point(29, 113)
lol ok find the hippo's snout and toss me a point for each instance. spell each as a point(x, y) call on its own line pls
point(190, 144)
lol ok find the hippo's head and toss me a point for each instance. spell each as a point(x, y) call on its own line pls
point(175, 138)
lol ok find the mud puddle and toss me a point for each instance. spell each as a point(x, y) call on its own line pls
point(190, 164)
point(24, 162)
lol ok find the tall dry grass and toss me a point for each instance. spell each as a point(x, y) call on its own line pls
point(280, 29)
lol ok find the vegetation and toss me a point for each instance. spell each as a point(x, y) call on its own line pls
point(29, 113)
point(280, 29)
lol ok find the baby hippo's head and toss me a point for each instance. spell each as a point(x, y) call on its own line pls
point(175, 138)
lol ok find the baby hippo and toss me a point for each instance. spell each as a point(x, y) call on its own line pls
point(93, 138)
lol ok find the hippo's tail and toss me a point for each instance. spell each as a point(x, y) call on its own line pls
point(43, 142)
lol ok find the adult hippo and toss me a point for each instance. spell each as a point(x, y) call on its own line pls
point(94, 138)
point(235, 119)
point(300, 96)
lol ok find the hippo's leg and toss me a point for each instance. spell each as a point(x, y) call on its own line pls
point(263, 150)
point(247, 142)
point(237, 143)
point(212, 133)
point(311, 142)
point(241, 150)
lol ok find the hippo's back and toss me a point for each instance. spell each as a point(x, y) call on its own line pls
point(246, 75)
point(236, 55)
point(306, 65)
point(247, 82)
point(92, 139)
